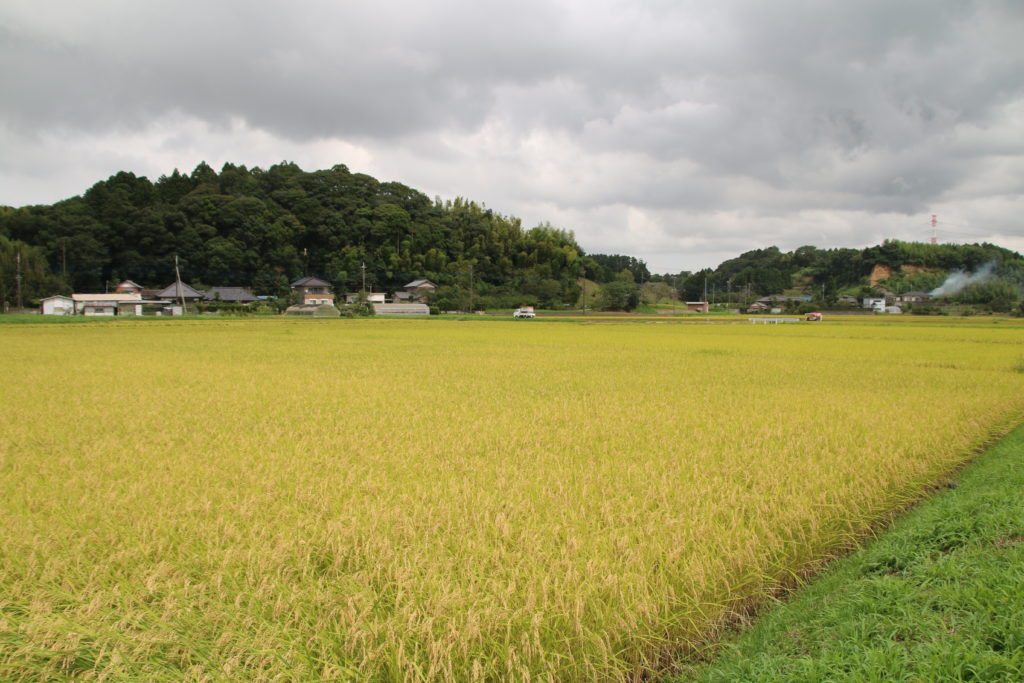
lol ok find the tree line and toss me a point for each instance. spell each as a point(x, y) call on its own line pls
point(826, 274)
point(264, 228)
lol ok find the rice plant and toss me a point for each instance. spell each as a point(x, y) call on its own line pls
point(424, 500)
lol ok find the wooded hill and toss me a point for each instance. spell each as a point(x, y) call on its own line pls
point(894, 266)
point(264, 228)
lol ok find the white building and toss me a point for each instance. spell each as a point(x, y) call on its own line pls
point(371, 298)
point(401, 309)
point(875, 304)
point(57, 305)
point(108, 304)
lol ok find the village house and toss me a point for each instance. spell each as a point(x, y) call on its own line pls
point(774, 303)
point(234, 295)
point(128, 287)
point(782, 299)
point(313, 291)
point(187, 293)
point(914, 297)
point(417, 290)
point(314, 298)
point(875, 303)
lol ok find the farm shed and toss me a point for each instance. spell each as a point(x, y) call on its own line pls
point(57, 305)
point(371, 297)
point(697, 306)
point(107, 304)
point(401, 309)
point(315, 311)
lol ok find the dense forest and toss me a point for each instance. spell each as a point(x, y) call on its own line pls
point(264, 228)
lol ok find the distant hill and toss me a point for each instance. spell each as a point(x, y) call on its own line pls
point(264, 228)
point(893, 266)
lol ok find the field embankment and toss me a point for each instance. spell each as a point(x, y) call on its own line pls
point(939, 597)
point(308, 499)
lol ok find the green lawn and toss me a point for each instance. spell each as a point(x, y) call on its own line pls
point(939, 597)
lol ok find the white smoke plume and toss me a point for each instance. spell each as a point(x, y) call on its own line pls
point(959, 279)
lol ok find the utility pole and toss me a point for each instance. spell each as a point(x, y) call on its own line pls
point(362, 266)
point(177, 280)
point(705, 289)
point(64, 259)
point(470, 287)
point(17, 276)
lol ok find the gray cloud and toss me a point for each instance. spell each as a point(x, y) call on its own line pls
point(646, 127)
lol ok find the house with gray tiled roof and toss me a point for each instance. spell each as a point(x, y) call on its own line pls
point(312, 291)
point(187, 293)
point(236, 295)
point(417, 290)
point(314, 297)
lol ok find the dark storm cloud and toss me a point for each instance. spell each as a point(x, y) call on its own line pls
point(685, 112)
point(768, 77)
point(301, 70)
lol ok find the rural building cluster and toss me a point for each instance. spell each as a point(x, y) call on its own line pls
point(311, 296)
point(885, 302)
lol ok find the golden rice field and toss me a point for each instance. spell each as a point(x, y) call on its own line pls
point(422, 500)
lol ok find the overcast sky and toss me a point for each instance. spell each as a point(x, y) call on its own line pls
point(683, 133)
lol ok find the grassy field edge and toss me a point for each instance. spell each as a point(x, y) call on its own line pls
point(939, 596)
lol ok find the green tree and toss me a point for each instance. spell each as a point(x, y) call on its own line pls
point(618, 296)
point(36, 280)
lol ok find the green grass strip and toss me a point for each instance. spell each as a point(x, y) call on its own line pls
point(938, 597)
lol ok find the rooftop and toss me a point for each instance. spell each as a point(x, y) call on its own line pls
point(310, 281)
point(171, 291)
point(232, 294)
